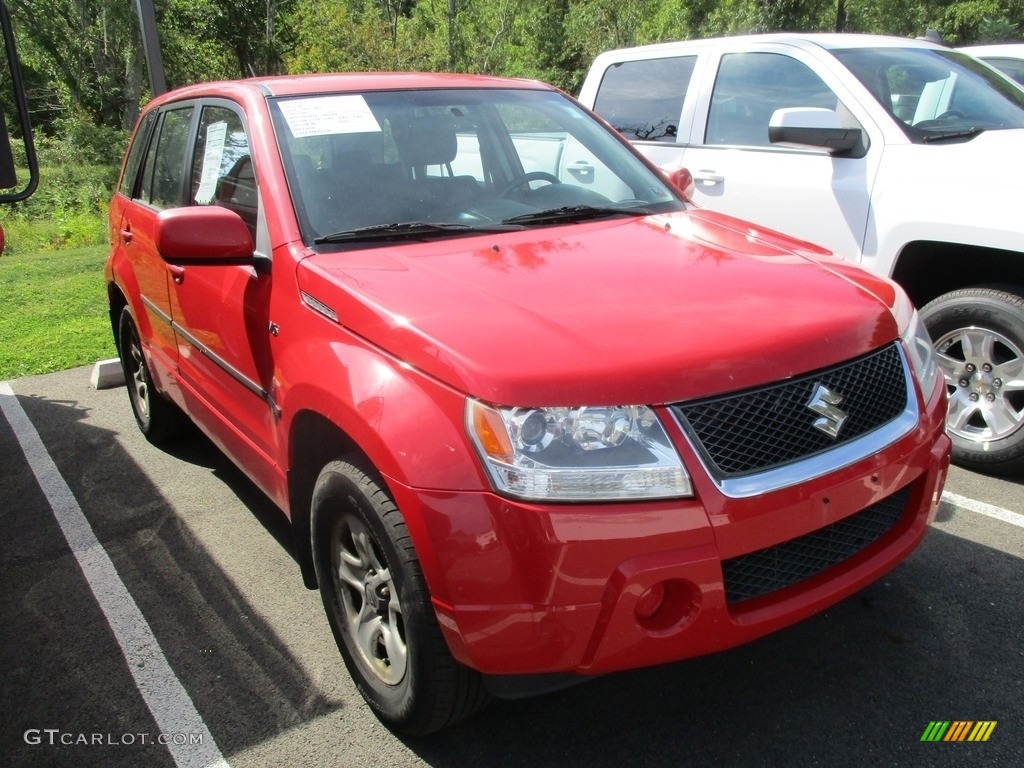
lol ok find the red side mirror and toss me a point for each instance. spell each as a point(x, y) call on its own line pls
point(203, 234)
point(681, 179)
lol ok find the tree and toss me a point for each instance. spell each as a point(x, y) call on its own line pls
point(88, 51)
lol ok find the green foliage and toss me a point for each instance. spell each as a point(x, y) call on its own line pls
point(85, 73)
point(55, 311)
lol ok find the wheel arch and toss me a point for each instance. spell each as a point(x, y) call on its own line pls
point(409, 448)
point(928, 269)
point(116, 302)
point(313, 442)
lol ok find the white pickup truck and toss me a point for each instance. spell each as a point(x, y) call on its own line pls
point(902, 155)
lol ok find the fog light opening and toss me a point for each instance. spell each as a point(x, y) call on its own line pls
point(650, 602)
point(667, 606)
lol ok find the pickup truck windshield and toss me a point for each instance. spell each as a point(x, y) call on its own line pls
point(364, 167)
point(936, 95)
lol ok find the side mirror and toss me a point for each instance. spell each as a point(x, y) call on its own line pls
point(200, 235)
point(682, 180)
point(814, 128)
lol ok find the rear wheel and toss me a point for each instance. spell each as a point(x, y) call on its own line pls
point(158, 418)
point(379, 608)
point(979, 336)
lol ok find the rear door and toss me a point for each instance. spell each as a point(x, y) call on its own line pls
point(160, 148)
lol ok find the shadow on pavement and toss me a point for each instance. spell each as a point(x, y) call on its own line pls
point(240, 676)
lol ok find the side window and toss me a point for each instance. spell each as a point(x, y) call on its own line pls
point(222, 168)
point(748, 90)
point(165, 161)
point(1011, 67)
point(643, 99)
point(130, 172)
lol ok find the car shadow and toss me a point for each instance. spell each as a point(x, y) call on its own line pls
point(240, 675)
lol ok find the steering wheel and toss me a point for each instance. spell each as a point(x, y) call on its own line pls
point(938, 120)
point(526, 178)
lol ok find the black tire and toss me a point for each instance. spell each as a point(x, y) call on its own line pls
point(158, 418)
point(979, 336)
point(379, 607)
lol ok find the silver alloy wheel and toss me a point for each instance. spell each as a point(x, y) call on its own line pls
point(369, 600)
point(984, 373)
point(139, 381)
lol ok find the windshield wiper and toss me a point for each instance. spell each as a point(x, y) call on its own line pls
point(574, 213)
point(408, 230)
point(966, 133)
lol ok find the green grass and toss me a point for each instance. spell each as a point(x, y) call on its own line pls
point(53, 311)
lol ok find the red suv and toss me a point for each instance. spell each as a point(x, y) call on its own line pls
point(533, 416)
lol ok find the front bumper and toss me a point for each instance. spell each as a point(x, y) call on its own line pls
point(531, 589)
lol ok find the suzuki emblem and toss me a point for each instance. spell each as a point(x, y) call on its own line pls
point(823, 402)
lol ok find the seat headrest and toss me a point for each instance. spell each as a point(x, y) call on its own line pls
point(428, 141)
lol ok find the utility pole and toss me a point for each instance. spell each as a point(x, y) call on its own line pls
point(151, 46)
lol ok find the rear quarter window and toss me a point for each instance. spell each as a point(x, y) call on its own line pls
point(136, 152)
point(644, 99)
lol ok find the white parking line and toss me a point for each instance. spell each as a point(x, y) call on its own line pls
point(990, 510)
point(167, 699)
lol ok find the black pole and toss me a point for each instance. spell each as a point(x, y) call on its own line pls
point(151, 46)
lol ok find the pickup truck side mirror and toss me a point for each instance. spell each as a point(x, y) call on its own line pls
point(815, 128)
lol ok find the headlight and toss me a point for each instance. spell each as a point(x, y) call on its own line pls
point(577, 454)
point(921, 354)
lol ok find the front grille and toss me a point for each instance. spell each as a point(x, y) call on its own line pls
point(768, 427)
point(762, 572)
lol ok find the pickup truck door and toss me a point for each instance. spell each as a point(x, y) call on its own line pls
point(809, 194)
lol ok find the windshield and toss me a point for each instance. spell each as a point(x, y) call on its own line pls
point(421, 164)
point(936, 95)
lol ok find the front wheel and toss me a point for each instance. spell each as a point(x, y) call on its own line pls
point(979, 337)
point(379, 608)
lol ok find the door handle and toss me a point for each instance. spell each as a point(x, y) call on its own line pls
point(709, 178)
point(126, 235)
point(177, 273)
point(582, 171)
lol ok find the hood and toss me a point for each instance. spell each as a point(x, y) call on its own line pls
point(621, 311)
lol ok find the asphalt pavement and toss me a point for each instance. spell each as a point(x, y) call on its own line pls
point(150, 596)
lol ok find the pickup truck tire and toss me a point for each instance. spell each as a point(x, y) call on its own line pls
point(158, 418)
point(979, 336)
point(379, 608)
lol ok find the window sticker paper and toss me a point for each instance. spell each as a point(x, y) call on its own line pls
point(327, 115)
point(216, 135)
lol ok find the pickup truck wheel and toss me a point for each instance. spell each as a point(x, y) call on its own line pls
point(979, 336)
point(379, 608)
point(158, 418)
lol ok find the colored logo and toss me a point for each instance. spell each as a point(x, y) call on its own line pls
point(958, 730)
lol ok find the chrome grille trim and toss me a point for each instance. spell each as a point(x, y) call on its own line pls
point(819, 464)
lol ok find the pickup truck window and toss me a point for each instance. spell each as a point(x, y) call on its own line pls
point(936, 94)
point(750, 87)
point(643, 99)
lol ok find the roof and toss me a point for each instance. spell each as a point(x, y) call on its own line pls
point(294, 85)
point(803, 40)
